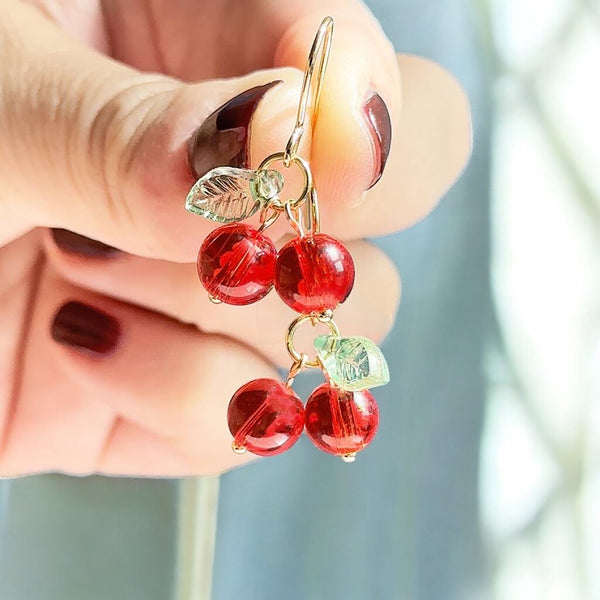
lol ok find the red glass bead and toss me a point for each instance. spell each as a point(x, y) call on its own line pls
point(236, 264)
point(341, 422)
point(314, 273)
point(265, 417)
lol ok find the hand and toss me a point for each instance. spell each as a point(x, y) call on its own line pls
point(114, 360)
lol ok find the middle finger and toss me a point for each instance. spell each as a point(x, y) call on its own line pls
point(173, 289)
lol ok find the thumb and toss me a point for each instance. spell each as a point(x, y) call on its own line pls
point(91, 145)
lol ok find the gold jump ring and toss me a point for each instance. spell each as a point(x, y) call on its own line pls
point(302, 165)
point(289, 339)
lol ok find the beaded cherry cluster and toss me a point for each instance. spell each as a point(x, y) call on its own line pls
point(313, 273)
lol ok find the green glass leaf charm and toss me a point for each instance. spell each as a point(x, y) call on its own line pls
point(352, 363)
point(266, 185)
point(229, 195)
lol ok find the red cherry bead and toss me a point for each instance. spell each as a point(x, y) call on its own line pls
point(341, 422)
point(314, 273)
point(236, 264)
point(265, 417)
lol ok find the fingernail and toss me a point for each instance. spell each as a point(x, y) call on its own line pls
point(83, 327)
point(73, 243)
point(380, 124)
point(222, 140)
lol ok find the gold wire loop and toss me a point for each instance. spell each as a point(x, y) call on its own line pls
point(314, 223)
point(313, 78)
point(293, 143)
point(295, 369)
point(296, 219)
point(268, 216)
point(289, 338)
point(304, 219)
point(306, 173)
point(323, 317)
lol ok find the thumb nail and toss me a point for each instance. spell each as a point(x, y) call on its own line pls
point(223, 138)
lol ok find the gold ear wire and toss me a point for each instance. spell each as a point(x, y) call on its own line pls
point(314, 74)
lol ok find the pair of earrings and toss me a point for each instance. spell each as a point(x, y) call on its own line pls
point(313, 273)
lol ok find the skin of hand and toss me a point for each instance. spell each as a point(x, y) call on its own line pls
point(112, 359)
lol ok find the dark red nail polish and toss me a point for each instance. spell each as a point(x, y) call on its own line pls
point(380, 123)
point(74, 243)
point(85, 328)
point(222, 140)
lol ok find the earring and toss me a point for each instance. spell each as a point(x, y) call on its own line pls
point(313, 273)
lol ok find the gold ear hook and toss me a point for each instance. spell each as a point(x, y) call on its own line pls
point(317, 57)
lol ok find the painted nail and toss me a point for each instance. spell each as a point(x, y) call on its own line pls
point(223, 138)
point(73, 243)
point(380, 124)
point(85, 328)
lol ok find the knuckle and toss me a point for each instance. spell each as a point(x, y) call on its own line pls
point(118, 124)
